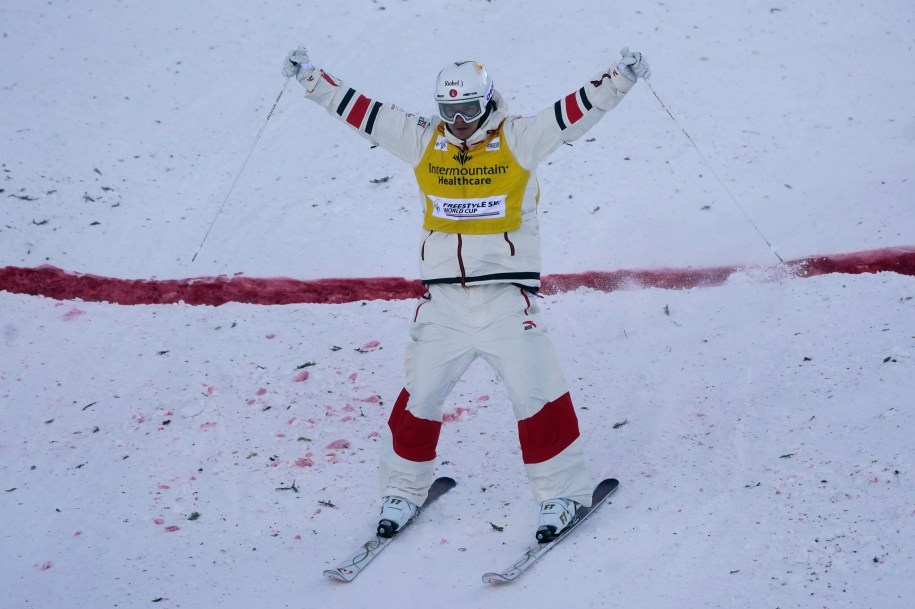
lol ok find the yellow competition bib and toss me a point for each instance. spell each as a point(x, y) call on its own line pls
point(473, 192)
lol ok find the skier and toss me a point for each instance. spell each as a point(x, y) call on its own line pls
point(475, 165)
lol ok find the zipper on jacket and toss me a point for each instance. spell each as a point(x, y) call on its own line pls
point(460, 245)
point(422, 249)
point(511, 245)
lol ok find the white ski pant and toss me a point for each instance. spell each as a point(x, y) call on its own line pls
point(501, 323)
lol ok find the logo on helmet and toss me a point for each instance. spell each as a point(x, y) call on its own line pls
point(452, 93)
point(454, 83)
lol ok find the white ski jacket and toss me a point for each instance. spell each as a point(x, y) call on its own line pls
point(455, 256)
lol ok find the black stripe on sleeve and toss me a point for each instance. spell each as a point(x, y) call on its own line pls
point(345, 102)
point(584, 98)
point(370, 124)
point(557, 107)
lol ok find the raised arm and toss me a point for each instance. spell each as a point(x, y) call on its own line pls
point(383, 124)
point(534, 138)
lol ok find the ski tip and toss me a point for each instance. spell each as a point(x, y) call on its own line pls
point(495, 578)
point(446, 481)
point(336, 575)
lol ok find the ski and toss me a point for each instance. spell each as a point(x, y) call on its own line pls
point(348, 569)
point(534, 552)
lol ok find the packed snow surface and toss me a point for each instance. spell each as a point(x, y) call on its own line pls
point(182, 455)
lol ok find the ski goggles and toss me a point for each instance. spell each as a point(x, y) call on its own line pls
point(469, 110)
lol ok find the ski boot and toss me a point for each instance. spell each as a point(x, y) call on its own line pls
point(556, 515)
point(396, 512)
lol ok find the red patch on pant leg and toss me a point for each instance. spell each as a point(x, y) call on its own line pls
point(549, 432)
point(415, 439)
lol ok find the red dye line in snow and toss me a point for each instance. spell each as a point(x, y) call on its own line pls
point(56, 283)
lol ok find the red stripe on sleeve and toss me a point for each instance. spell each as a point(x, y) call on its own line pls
point(356, 115)
point(573, 110)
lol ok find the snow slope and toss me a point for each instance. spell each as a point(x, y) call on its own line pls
point(196, 456)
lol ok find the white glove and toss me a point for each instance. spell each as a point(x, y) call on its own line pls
point(632, 65)
point(297, 64)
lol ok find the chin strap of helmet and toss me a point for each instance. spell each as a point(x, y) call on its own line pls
point(490, 107)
